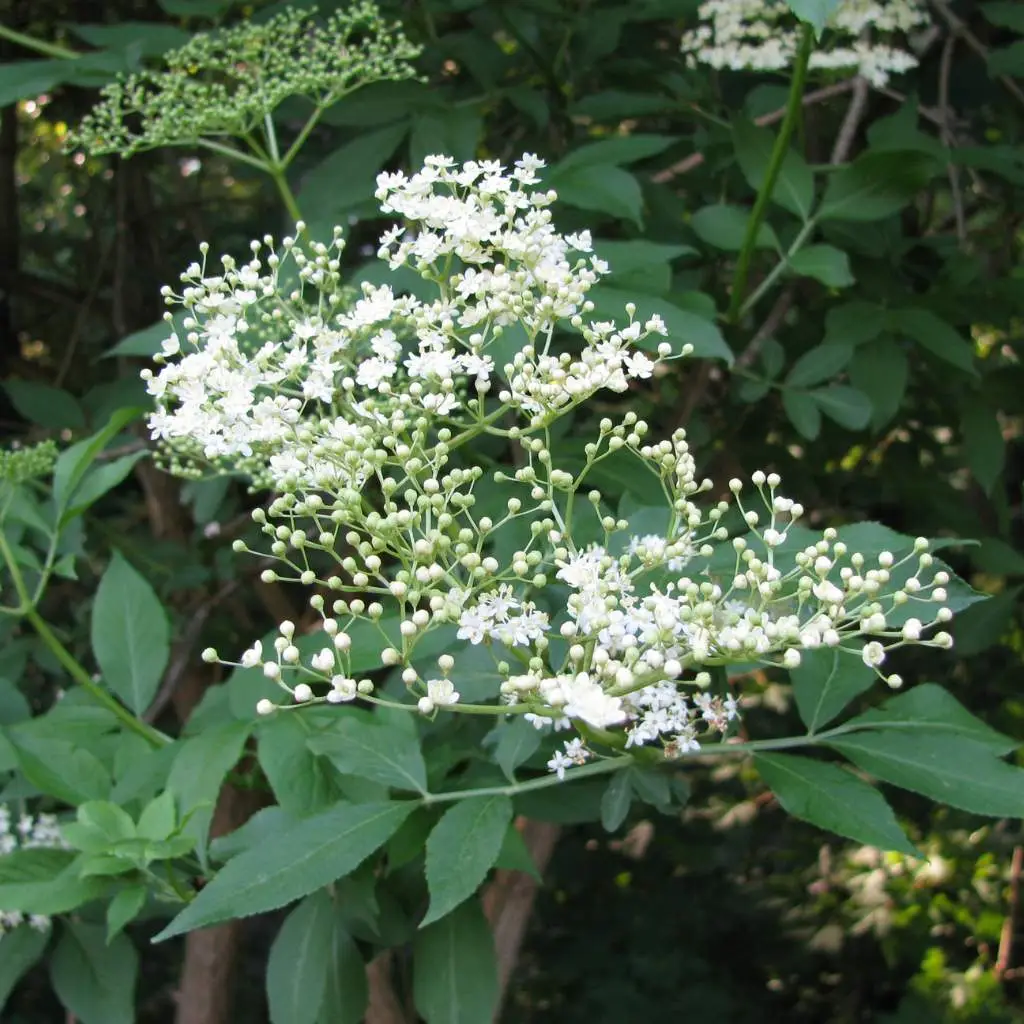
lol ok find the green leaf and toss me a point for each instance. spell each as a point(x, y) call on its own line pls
point(825, 263)
point(614, 152)
point(854, 323)
point(198, 771)
point(684, 326)
point(957, 771)
point(816, 13)
point(1007, 60)
point(455, 977)
point(130, 635)
point(75, 461)
point(984, 445)
point(616, 801)
point(60, 767)
point(794, 188)
point(462, 848)
point(988, 623)
point(818, 364)
point(45, 405)
point(346, 992)
point(880, 370)
point(826, 680)
point(454, 131)
point(44, 881)
point(373, 751)
point(803, 413)
point(1005, 13)
point(158, 818)
point(303, 782)
point(23, 946)
point(99, 480)
point(833, 799)
point(124, 908)
point(931, 332)
point(95, 981)
point(286, 867)
point(616, 104)
point(604, 188)
point(876, 185)
point(348, 176)
point(148, 341)
point(146, 38)
point(937, 711)
point(849, 407)
point(26, 79)
point(515, 856)
point(517, 742)
point(298, 964)
point(725, 227)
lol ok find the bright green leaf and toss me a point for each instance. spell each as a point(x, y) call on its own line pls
point(833, 799)
point(124, 908)
point(130, 635)
point(286, 867)
point(461, 850)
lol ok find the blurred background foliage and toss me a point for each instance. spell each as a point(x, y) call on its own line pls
point(735, 912)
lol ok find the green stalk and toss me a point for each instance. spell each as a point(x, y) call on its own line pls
point(287, 196)
point(38, 45)
point(793, 108)
point(68, 660)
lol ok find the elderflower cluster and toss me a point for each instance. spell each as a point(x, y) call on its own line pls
point(762, 35)
point(224, 83)
point(26, 833)
point(372, 416)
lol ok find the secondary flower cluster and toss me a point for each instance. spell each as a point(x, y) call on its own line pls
point(225, 83)
point(371, 414)
point(761, 35)
point(23, 834)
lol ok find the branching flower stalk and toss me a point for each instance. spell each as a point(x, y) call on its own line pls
point(221, 89)
point(364, 412)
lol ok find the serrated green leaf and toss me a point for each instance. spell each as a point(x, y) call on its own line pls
point(617, 799)
point(847, 406)
point(725, 227)
point(373, 751)
point(95, 981)
point(455, 977)
point(23, 947)
point(286, 867)
point(461, 849)
point(937, 711)
point(819, 364)
point(303, 782)
point(960, 772)
point(803, 413)
point(825, 681)
point(876, 185)
point(825, 263)
point(130, 634)
point(833, 799)
point(298, 964)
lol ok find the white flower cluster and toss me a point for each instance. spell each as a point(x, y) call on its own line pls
point(761, 35)
point(24, 833)
point(274, 377)
point(369, 414)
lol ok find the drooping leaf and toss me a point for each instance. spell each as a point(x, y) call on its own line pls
point(95, 981)
point(462, 848)
point(833, 799)
point(875, 185)
point(299, 962)
point(957, 771)
point(825, 681)
point(617, 799)
point(286, 867)
point(373, 751)
point(130, 635)
point(455, 978)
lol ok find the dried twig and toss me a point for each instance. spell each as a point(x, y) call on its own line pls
point(1005, 955)
point(809, 99)
point(851, 122)
point(946, 131)
point(960, 28)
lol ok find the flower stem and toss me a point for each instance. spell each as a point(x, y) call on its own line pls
point(793, 108)
point(38, 45)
